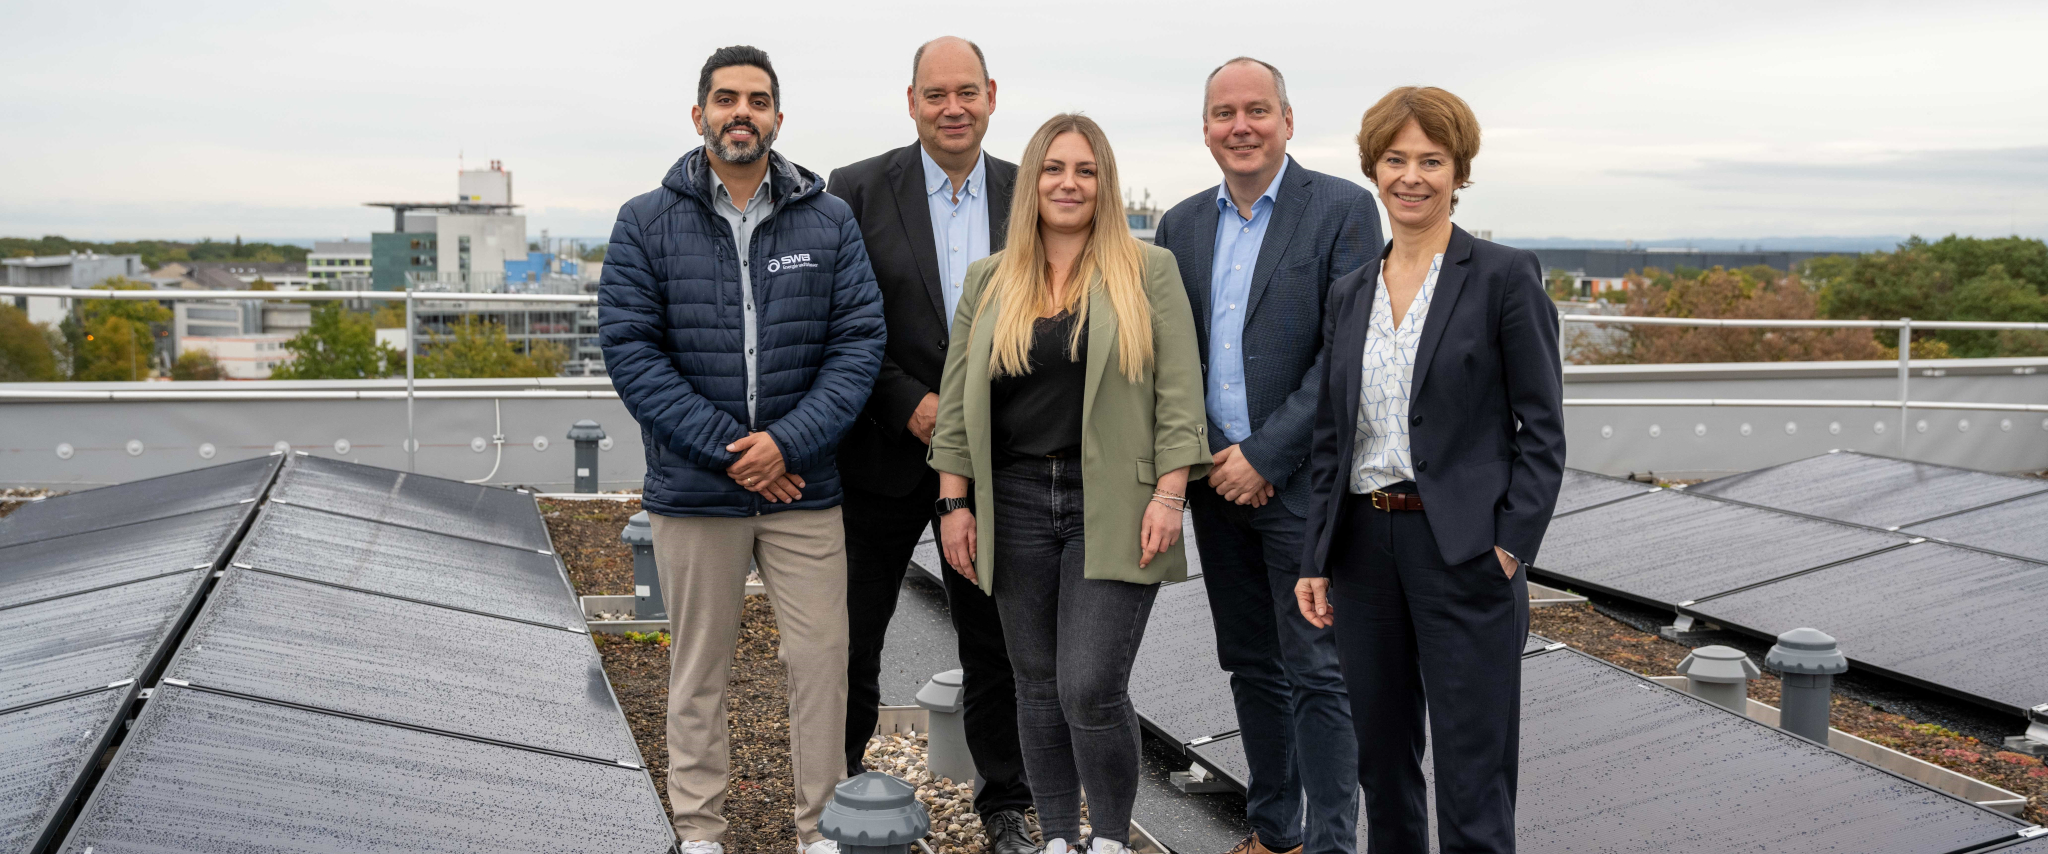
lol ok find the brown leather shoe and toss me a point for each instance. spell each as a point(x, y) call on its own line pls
point(1252, 845)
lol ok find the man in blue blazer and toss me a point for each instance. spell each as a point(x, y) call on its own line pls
point(1257, 253)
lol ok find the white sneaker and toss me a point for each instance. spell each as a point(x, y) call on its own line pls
point(1105, 846)
point(822, 846)
point(699, 846)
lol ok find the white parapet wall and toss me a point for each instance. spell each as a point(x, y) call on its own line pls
point(77, 435)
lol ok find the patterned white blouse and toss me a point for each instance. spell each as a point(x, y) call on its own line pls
point(1381, 457)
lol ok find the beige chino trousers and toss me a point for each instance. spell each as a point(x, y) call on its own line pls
point(703, 567)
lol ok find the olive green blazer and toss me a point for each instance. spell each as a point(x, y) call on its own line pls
point(1129, 431)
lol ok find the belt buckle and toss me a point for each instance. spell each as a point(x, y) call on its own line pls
point(1381, 500)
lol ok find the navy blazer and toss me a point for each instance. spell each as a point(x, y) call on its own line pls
point(1322, 228)
point(1486, 407)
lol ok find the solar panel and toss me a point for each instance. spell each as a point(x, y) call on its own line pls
point(1177, 688)
point(1669, 547)
point(78, 643)
point(139, 501)
point(392, 660)
point(503, 580)
point(1633, 766)
point(61, 566)
point(1958, 620)
point(1583, 489)
point(2013, 527)
point(448, 507)
point(208, 772)
point(49, 749)
point(1868, 490)
point(1225, 757)
point(1611, 763)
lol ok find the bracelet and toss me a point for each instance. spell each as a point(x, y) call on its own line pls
point(1166, 499)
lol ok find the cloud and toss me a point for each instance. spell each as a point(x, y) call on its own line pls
point(2003, 170)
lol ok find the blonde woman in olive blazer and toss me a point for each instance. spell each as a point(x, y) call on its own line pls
point(1072, 371)
point(1130, 431)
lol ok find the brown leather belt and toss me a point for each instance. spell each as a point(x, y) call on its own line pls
point(1391, 501)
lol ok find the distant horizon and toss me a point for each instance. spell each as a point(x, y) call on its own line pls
point(1804, 243)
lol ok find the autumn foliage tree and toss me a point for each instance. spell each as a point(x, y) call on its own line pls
point(474, 350)
point(26, 351)
point(1750, 292)
point(117, 342)
point(339, 345)
point(196, 365)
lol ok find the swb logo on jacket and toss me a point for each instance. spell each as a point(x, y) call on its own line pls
point(791, 262)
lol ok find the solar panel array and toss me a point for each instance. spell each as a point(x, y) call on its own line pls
point(1610, 761)
point(1867, 489)
point(387, 662)
point(1837, 542)
point(93, 587)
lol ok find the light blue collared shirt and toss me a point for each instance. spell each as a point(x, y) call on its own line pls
point(960, 228)
point(1230, 288)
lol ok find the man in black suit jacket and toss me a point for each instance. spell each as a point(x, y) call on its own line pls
point(939, 191)
point(1257, 254)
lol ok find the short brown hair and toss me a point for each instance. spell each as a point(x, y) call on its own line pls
point(1443, 117)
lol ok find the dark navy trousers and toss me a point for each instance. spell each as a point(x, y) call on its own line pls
point(1292, 713)
point(1421, 637)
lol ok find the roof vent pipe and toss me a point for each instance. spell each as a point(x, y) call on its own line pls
point(1808, 659)
point(1720, 675)
point(874, 813)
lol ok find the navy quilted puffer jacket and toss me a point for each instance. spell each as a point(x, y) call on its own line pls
point(671, 325)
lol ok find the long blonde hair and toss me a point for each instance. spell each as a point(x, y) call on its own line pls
point(1021, 285)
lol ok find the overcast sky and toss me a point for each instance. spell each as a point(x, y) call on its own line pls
point(1601, 120)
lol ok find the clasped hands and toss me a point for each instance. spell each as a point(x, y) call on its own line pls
point(759, 469)
point(1233, 478)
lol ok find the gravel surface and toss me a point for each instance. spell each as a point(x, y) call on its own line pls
point(762, 799)
point(7, 507)
point(1597, 634)
point(956, 829)
point(586, 533)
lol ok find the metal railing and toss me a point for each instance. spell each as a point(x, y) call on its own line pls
point(1904, 325)
point(1903, 402)
point(410, 297)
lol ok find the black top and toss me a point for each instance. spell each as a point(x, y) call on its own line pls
point(1039, 413)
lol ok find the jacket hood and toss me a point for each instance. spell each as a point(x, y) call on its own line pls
point(787, 182)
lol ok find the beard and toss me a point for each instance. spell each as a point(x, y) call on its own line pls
point(743, 153)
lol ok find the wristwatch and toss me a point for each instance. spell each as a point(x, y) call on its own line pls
point(944, 506)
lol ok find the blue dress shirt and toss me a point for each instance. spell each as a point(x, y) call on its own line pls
point(1230, 287)
point(959, 226)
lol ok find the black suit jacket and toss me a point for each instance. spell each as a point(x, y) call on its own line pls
point(1486, 408)
point(887, 192)
point(1322, 227)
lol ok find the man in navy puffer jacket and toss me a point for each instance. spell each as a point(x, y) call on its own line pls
point(743, 329)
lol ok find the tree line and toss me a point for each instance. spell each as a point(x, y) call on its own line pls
point(156, 253)
point(1954, 278)
point(104, 340)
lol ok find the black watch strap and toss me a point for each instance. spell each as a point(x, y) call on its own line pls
point(944, 506)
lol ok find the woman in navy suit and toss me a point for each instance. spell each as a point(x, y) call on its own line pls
point(1437, 454)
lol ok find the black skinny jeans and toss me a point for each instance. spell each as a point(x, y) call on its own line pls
point(1072, 641)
